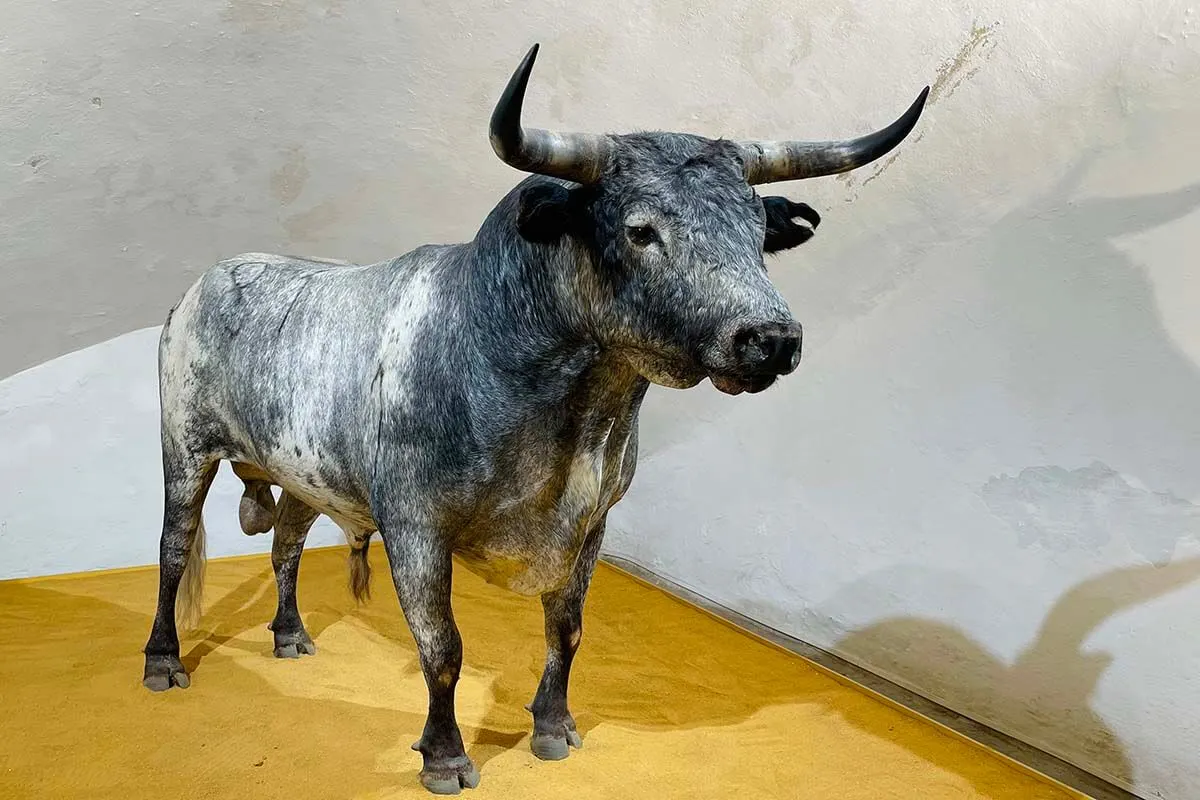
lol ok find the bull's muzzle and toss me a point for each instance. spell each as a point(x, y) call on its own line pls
point(761, 352)
point(767, 349)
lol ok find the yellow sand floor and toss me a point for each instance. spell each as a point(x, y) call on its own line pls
point(671, 702)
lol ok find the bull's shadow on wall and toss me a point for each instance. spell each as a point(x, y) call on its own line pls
point(1088, 362)
point(1094, 370)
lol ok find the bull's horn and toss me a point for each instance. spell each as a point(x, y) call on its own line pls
point(767, 162)
point(578, 157)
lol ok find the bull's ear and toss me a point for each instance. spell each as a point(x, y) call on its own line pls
point(544, 214)
point(783, 233)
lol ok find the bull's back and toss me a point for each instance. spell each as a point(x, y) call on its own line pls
point(275, 355)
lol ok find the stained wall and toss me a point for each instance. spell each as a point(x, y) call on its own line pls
point(982, 482)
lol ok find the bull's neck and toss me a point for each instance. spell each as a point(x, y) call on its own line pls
point(533, 330)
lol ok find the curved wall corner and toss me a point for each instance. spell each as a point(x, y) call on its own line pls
point(81, 466)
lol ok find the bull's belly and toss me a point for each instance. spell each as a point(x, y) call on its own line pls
point(303, 483)
point(528, 543)
point(348, 513)
point(527, 568)
point(527, 549)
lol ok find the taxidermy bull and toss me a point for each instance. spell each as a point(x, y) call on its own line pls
point(480, 400)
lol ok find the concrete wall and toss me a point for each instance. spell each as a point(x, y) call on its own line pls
point(982, 481)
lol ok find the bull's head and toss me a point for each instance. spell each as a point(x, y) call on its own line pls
point(677, 235)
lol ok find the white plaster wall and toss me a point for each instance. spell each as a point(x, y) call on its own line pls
point(981, 482)
point(81, 469)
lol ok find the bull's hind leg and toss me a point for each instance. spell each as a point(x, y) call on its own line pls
point(181, 559)
point(293, 519)
point(421, 570)
point(554, 731)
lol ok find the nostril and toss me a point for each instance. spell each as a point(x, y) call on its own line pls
point(789, 353)
point(748, 345)
point(760, 349)
point(770, 348)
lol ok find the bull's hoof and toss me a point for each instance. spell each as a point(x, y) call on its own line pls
point(163, 672)
point(450, 777)
point(555, 747)
point(553, 738)
point(294, 644)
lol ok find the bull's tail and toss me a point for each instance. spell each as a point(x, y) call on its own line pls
point(360, 565)
point(191, 586)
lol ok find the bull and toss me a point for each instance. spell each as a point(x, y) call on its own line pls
point(479, 400)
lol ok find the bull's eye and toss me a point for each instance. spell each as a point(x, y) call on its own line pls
point(642, 235)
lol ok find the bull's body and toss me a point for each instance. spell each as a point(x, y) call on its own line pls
point(480, 399)
point(434, 388)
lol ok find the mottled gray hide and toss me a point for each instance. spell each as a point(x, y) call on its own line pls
point(477, 400)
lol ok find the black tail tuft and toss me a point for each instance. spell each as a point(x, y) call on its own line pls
point(360, 570)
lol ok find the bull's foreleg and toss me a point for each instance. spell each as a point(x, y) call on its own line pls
point(554, 729)
point(181, 560)
point(421, 569)
point(293, 519)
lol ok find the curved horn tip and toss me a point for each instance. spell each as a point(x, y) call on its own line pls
point(504, 130)
point(520, 76)
point(525, 68)
point(526, 64)
point(919, 103)
point(907, 120)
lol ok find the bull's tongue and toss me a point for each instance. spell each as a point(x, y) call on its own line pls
point(726, 385)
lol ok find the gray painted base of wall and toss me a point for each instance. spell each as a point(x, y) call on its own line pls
point(1024, 754)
